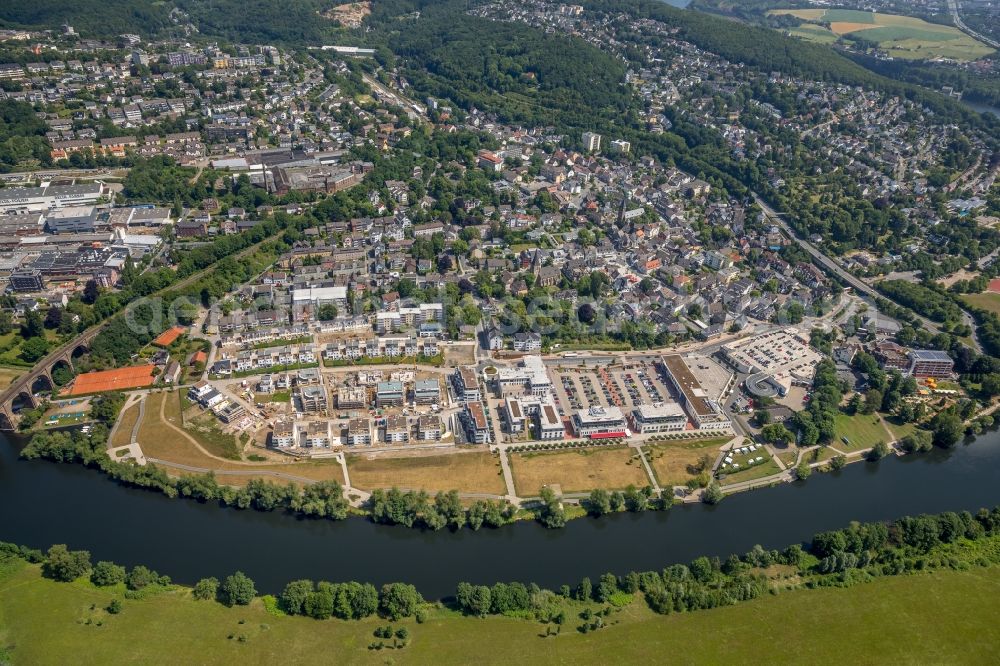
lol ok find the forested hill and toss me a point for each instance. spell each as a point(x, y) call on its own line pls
point(92, 18)
point(770, 51)
point(518, 72)
point(250, 21)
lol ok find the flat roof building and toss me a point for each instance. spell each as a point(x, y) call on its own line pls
point(396, 429)
point(39, 199)
point(931, 363)
point(429, 427)
point(476, 426)
point(389, 393)
point(550, 426)
point(426, 392)
point(283, 436)
point(312, 398)
point(531, 376)
point(466, 385)
point(705, 413)
point(359, 432)
point(599, 422)
point(352, 397)
point(514, 416)
point(659, 417)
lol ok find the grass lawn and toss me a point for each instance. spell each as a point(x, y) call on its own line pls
point(207, 430)
point(158, 440)
point(862, 431)
point(900, 430)
point(670, 460)
point(277, 396)
point(126, 421)
point(8, 375)
point(44, 622)
point(577, 470)
point(987, 300)
point(470, 472)
point(788, 455)
point(757, 471)
point(822, 454)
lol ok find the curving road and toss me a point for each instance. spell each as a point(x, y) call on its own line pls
point(855, 282)
point(960, 24)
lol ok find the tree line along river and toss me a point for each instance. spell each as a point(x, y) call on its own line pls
point(42, 503)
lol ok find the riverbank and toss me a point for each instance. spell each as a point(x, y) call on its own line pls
point(45, 622)
point(135, 526)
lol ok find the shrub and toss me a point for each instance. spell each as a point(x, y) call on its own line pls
point(107, 573)
point(206, 588)
point(139, 577)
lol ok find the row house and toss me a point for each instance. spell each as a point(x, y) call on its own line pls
point(381, 347)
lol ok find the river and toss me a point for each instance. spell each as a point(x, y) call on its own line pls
point(982, 108)
point(42, 503)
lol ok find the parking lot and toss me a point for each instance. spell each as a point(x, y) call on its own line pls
point(625, 387)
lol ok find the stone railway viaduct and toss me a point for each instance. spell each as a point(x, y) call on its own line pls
point(21, 392)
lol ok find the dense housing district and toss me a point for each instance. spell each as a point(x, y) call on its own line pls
point(383, 291)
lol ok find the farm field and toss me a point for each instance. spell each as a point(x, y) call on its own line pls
point(45, 622)
point(472, 472)
point(901, 36)
point(577, 471)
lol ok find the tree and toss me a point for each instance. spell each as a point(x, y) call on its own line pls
point(319, 603)
point(838, 462)
point(327, 312)
point(877, 452)
point(6, 323)
point(294, 596)
point(399, 600)
point(584, 592)
point(237, 590)
point(712, 494)
point(53, 317)
point(803, 471)
point(550, 512)
point(65, 565)
point(607, 586)
point(776, 433)
point(33, 326)
point(599, 502)
point(114, 607)
point(873, 401)
point(139, 577)
point(206, 589)
point(990, 385)
point(474, 599)
point(919, 441)
point(107, 573)
point(34, 349)
point(947, 429)
point(90, 292)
